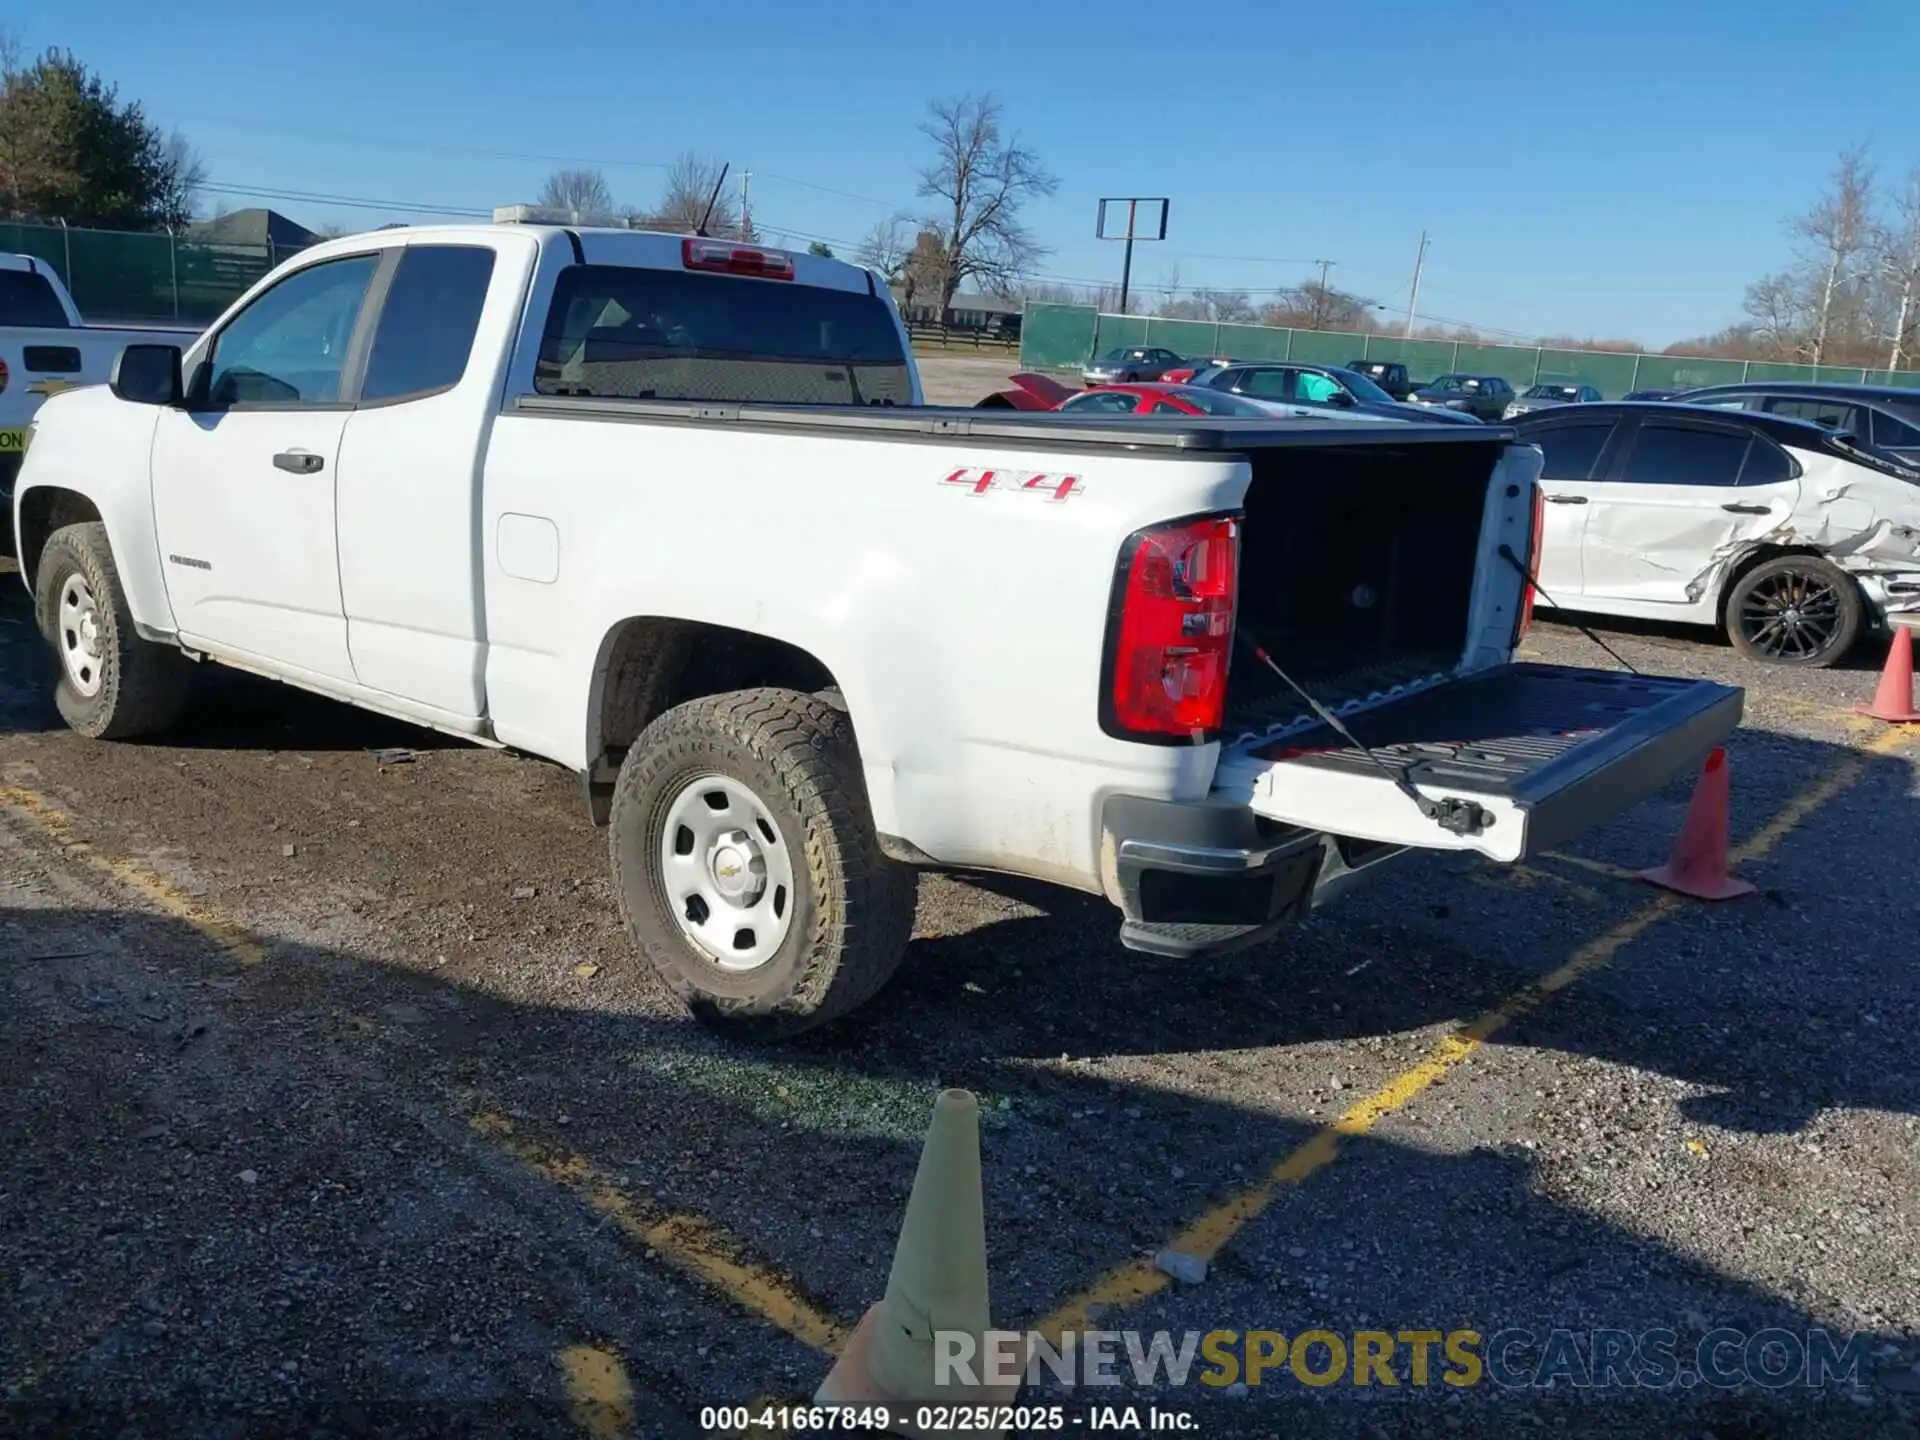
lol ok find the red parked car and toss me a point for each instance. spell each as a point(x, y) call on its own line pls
point(1043, 392)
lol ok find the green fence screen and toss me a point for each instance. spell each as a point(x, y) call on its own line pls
point(120, 275)
point(1065, 337)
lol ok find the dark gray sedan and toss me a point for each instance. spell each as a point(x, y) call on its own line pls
point(1542, 397)
point(1130, 364)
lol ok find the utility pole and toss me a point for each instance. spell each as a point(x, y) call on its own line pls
point(1413, 300)
point(1325, 265)
point(746, 211)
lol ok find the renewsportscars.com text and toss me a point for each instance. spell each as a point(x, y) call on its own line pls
point(1511, 1358)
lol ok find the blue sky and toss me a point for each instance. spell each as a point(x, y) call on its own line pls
point(1619, 169)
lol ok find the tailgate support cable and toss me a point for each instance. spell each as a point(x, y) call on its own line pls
point(1458, 817)
point(1506, 553)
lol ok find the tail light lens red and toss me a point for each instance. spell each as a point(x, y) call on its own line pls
point(1172, 633)
point(1533, 564)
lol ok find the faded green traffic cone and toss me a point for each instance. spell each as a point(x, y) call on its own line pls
point(938, 1285)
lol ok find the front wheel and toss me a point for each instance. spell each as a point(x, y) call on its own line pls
point(747, 867)
point(113, 685)
point(1794, 610)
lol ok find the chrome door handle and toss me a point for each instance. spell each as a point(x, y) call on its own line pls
point(298, 462)
point(1566, 499)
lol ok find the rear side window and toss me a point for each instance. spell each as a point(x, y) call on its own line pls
point(1766, 464)
point(429, 321)
point(632, 333)
point(1889, 432)
point(27, 299)
point(1671, 455)
point(1571, 450)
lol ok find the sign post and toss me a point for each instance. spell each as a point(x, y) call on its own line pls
point(1146, 219)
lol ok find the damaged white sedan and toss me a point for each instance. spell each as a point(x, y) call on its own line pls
point(1794, 538)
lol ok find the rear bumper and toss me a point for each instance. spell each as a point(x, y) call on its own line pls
point(1197, 879)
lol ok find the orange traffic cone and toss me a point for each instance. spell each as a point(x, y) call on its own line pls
point(1893, 701)
point(1698, 865)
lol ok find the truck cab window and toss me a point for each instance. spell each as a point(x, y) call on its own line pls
point(428, 322)
point(289, 347)
point(27, 299)
point(657, 334)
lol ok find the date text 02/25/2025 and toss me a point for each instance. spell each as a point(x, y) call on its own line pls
point(955, 1420)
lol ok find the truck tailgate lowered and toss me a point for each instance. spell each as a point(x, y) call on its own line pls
point(1529, 756)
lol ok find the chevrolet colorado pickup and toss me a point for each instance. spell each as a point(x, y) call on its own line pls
point(669, 511)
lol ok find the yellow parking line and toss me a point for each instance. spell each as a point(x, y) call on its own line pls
point(1133, 1282)
point(599, 1395)
point(232, 939)
point(689, 1243)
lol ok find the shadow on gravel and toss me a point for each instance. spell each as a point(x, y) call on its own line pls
point(377, 1236)
point(230, 710)
point(1869, 654)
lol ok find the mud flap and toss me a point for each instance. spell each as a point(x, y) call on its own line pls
point(1517, 759)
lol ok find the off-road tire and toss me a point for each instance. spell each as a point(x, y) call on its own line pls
point(143, 685)
point(1850, 611)
point(852, 907)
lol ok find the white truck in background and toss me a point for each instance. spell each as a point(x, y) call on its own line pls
point(669, 511)
point(46, 348)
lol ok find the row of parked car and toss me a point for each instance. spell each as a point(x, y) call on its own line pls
point(1786, 515)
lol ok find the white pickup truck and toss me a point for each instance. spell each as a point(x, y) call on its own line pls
point(669, 512)
point(46, 348)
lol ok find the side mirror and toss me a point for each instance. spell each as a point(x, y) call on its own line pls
point(1342, 399)
point(147, 375)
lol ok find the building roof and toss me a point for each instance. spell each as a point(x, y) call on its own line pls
point(257, 226)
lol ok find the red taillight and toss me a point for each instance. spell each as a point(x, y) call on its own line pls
point(728, 258)
point(1533, 564)
point(1173, 635)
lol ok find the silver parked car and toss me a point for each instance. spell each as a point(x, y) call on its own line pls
point(1130, 364)
point(1540, 397)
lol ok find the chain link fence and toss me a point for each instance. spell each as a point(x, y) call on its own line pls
point(116, 275)
point(1066, 337)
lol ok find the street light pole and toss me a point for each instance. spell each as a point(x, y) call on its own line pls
point(1413, 300)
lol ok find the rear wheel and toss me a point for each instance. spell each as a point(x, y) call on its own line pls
point(747, 867)
point(113, 685)
point(1794, 610)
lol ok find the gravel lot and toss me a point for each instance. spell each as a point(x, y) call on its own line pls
point(328, 1086)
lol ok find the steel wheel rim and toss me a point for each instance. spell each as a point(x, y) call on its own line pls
point(1791, 615)
point(726, 871)
point(81, 646)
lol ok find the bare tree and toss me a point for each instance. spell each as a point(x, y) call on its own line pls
point(183, 172)
point(983, 177)
point(583, 192)
point(886, 246)
point(691, 183)
point(1899, 246)
point(1839, 229)
point(1777, 307)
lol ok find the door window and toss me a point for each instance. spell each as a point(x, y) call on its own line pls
point(1315, 389)
point(289, 347)
point(1889, 433)
point(1673, 455)
point(1266, 385)
point(1830, 413)
point(1571, 450)
point(1103, 402)
point(428, 321)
